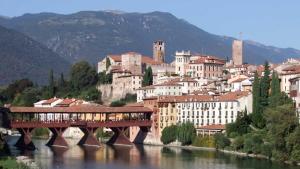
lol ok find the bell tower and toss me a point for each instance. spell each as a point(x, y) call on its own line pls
point(159, 51)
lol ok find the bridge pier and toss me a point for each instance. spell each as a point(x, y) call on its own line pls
point(142, 134)
point(25, 141)
point(57, 138)
point(119, 136)
point(89, 138)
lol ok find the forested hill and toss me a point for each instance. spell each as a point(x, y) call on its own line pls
point(23, 57)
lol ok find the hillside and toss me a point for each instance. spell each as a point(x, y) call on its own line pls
point(23, 57)
point(91, 35)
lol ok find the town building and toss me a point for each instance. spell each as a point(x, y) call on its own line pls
point(203, 110)
point(286, 75)
point(200, 66)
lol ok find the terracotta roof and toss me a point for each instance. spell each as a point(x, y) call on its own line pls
point(49, 101)
point(116, 58)
point(185, 98)
point(184, 79)
point(213, 127)
point(168, 83)
point(150, 61)
point(146, 87)
point(238, 80)
point(208, 59)
point(80, 109)
point(295, 69)
point(66, 102)
point(232, 96)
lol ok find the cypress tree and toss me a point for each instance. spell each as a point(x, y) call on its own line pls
point(256, 94)
point(107, 63)
point(148, 77)
point(62, 81)
point(275, 95)
point(51, 84)
point(265, 86)
point(257, 117)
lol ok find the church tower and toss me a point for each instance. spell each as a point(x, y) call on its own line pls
point(159, 51)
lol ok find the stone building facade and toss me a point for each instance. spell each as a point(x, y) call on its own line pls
point(237, 52)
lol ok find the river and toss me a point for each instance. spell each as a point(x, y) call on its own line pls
point(137, 157)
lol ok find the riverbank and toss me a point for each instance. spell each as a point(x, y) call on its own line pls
point(30, 163)
point(237, 153)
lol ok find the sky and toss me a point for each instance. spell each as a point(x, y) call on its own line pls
point(271, 22)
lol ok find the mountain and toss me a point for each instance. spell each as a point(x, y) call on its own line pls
point(23, 57)
point(91, 35)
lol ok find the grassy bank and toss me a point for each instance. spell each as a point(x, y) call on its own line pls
point(11, 163)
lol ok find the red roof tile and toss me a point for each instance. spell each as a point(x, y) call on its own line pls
point(80, 109)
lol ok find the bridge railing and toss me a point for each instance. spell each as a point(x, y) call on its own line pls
point(79, 123)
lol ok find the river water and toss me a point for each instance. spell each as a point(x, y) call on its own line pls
point(137, 157)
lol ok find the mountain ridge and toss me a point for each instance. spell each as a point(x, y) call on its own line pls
point(91, 35)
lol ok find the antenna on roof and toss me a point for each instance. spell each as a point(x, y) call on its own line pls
point(240, 35)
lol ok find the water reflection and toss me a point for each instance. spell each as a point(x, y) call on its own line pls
point(137, 157)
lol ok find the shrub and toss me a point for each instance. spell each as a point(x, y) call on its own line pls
point(117, 103)
point(238, 143)
point(204, 141)
point(221, 141)
point(253, 143)
point(38, 132)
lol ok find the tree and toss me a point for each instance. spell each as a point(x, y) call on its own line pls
point(51, 84)
point(107, 63)
point(15, 88)
point(282, 121)
point(257, 117)
point(265, 86)
point(62, 81)
point(240, 126)
point(91, 94)
point(148, 77)
point(27, 98)
point(275, 95)
point(83, 76)
point(169, 134)
point(104, 78)
point(186, 133)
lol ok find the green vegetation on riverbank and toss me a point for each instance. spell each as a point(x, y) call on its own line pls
point(11, 163)
point(273, 127)
point(184, 133)
point(82, 83)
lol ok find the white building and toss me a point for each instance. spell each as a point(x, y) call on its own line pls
point(203, 110)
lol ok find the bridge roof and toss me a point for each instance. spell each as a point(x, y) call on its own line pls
point(80, 109)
